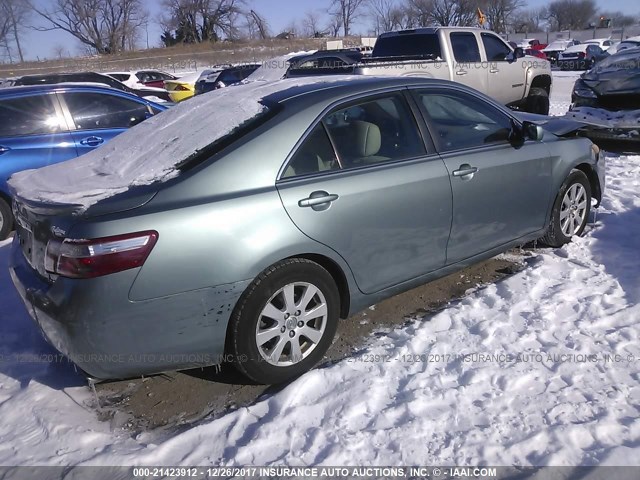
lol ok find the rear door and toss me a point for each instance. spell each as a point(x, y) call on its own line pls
point(500, 192)
point(362, 183)
point(33, 134)
point(96, 118)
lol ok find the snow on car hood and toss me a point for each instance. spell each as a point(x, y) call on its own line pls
point(150, 151)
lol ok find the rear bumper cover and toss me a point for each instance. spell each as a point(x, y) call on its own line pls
point(98, 328)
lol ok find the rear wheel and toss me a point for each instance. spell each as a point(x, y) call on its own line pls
point(570, 210)
point(284, 322)
point(6, 219)
point(538, 101)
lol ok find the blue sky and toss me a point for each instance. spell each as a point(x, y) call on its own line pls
point(279, 14)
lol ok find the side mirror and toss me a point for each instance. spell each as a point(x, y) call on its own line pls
point(533, 131)
point(518, 52)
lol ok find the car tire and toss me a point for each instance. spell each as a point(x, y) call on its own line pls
point(538, 101)
point(570, 210)
point(6, 219)
point(275, 350)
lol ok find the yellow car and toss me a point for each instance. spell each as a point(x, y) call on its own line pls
point(184, 87)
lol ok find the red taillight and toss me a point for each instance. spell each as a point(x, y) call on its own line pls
point(581, 54)
point(99, 256)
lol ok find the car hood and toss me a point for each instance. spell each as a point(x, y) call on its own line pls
point(559, 126)
point(619, 74)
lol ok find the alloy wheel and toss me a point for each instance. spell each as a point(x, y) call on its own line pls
point(291, 324)
point(573, 210)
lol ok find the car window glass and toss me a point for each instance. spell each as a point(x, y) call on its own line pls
point(460, 121)
point(378, 130)
point(34, 115)
point(465, 47)
point(495, 48)
point(94, 110)
point(314, 155)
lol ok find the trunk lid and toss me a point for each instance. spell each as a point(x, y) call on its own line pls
point(38, 222)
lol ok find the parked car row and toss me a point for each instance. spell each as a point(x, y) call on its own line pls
point(45, 124)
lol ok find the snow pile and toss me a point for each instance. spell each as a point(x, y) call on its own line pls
point(150, 151)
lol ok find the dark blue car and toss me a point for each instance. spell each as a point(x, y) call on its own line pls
point(45, 124)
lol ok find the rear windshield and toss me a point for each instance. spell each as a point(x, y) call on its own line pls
point(408, 45)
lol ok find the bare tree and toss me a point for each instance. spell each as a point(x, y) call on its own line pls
point(257, 25)
point(531, 20)
point(388, 15)
point(195, 21)
point(13, 14)
point(443, 12)
point(311, 24)
point(346, 11)
point(499, 12)
point(60, 51)
point(106, 26)
point(571, 14)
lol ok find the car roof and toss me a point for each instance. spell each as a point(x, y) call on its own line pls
point(340, 86)
point(54, 87)
point(431, 30)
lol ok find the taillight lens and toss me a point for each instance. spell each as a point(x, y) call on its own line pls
point(100, 256)
point(582, 55)
point(181, 88)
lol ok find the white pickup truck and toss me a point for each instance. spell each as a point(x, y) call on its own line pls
point(473, 56)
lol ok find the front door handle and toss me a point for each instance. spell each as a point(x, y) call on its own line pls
point(4, 149)
point(465, 170)
point(461, 72)
point(92, 141)
point(318, 200)
point(494, 70)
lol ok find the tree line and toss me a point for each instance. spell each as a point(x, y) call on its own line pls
point(112, 26)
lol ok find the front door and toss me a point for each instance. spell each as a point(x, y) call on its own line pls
point(500, 192)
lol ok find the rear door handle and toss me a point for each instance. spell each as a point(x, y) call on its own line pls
point(4, 149)
point(494, 70)
point(92, 141)
point(465, 170)
point(461, 72)
point(318, 200)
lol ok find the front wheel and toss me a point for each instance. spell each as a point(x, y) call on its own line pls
point(284, 322)
point(6, 219)
point(538, 101)
point(570, 210)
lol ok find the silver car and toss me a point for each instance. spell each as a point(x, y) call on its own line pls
point(338, 195)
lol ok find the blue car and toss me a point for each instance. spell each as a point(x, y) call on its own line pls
point(45, 124)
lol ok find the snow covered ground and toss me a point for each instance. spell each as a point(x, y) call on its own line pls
point(540, 369)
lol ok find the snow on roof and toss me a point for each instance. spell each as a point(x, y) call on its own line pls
point(275, 68)
point(150, 151)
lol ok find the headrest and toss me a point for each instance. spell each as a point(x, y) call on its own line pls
point(367, 138)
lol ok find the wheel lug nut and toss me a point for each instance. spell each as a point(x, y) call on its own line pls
point(301, 324)
point(286, 315)
point(292, 334)
point(283, 329)
point(297, 313)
